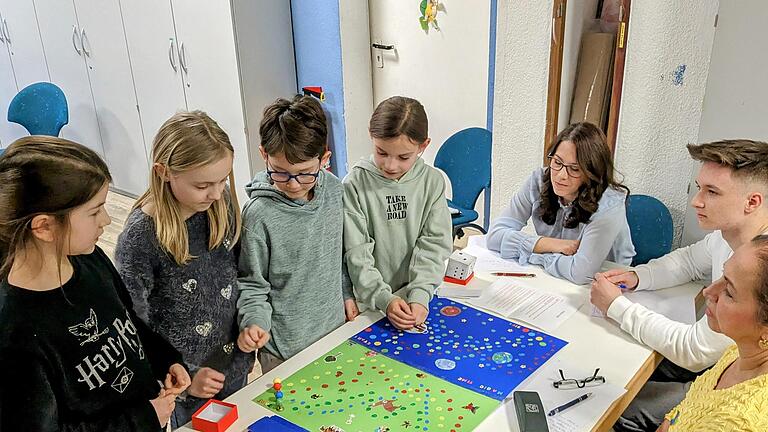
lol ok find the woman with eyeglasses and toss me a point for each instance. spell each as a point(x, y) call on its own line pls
point(577, 208)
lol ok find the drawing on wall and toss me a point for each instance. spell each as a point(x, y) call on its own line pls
point(428, 16)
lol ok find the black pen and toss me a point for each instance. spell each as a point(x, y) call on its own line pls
point(569, 404)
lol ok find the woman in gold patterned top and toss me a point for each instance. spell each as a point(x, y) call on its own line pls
point(733, 395)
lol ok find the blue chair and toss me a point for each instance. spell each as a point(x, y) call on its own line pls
point(466, 158)
point(41, 108)
point(650, 225)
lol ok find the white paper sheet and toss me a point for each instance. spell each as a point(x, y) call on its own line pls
point(536, 307)
point(580, 417)
point(489, 261)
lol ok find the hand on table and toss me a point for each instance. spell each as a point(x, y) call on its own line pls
point(621, 276)
point(400, 314)
point(350, 309)
point(603, 292)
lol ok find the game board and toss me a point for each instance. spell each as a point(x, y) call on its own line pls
point(466, 347)
point(354, 389)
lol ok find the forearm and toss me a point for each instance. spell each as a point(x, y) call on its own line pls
point(693, 347)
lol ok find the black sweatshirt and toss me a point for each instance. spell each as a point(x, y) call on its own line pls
point(77, 358)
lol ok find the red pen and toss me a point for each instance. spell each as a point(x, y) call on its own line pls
point(514, 274)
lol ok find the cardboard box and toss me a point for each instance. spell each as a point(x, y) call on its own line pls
point(592, 92)
point(214, 416)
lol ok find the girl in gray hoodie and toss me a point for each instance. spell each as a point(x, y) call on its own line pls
point(397, 227)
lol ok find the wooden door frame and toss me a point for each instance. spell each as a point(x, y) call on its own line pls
point(619, 61)
point(557, 40)
point(556, 67)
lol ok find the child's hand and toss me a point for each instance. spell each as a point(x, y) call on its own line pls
point(350, 308)
point(164, 405)
point(206, 383)
point(400, 315)
point(419, 313)
point(252, 338)
point(177, 380)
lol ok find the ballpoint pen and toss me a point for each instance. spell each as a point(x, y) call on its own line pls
point(511, 274)
point(567, 405)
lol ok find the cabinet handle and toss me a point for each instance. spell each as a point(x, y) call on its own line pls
point(170, 56)
point(83, 41)
point(7, 33)
point(183, 58)
point(74, 40)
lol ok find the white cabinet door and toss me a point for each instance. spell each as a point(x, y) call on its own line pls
point(104, 46)
point(209, 64)
point(153, 51)
point(9, 132)
point(22, 36)
point(61, 40)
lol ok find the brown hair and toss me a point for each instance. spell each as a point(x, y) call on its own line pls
point(397, 116)
point(747, 158)
point(186, 141)
point(294, 128)
point(761, 292)
point(596, 164)
point(43, 175)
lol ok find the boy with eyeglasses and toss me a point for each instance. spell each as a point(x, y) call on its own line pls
point(292, 289)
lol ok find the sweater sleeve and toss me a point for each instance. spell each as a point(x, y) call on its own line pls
point(253, 306)
point(432, 248)
point(161, 354)
point(694, 347)
point(683, 265)
point(504, 235)
point(596, 242)
point(368, 284)
point(134, 263)
point(32, 405)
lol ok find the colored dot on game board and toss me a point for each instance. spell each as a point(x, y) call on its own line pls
point(368, 330)
point(377, 343)
point(542, 344)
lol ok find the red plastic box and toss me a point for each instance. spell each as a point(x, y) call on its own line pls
point(214, 416)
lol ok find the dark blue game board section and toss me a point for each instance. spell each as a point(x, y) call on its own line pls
point(466, 347)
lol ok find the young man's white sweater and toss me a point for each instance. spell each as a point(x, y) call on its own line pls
point(692, 346)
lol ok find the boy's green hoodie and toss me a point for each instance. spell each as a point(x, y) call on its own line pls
point(290, 267)
point(397, 233)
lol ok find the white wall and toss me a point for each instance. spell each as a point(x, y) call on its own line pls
point(522, 63)
point(661, 107)
point(657, 117)
point(737, 90)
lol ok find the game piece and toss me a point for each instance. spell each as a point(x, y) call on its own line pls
point(460, 269)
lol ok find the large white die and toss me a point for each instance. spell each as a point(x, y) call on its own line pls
point(460, 265)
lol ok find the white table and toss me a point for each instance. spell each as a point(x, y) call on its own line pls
point(592, 340)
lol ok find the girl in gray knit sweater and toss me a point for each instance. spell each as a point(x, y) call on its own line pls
point(177, 258)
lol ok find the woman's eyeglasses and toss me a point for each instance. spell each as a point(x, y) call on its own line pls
point(569, 383)
point(556, 164)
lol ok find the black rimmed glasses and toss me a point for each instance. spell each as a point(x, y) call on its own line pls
point(570, 383)
point(556, 164)
point(301, 178)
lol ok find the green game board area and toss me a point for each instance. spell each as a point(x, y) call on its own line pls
point(353, 389)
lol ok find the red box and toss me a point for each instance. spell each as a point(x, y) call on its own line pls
point(214, 416)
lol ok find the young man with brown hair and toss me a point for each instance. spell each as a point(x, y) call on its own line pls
point(733, 187)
